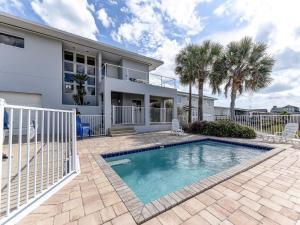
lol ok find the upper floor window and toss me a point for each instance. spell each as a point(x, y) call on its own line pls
point(11, 40)
point(79, 63)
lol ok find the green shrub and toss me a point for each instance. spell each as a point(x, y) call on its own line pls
point(221, 128)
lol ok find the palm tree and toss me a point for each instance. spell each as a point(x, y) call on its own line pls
point(184, 68)
point(205, 55)
point(244, 66)
point(80, 80)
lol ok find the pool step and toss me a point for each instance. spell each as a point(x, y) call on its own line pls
point(121, 131)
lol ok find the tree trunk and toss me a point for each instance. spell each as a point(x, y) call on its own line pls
point(232, 104)
point(200, 100)
point(190, 103)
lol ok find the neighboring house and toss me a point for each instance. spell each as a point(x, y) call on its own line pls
point(221, 111)
point(288, 108)
point(38, 64)
point(183, 103)
point(225, 111)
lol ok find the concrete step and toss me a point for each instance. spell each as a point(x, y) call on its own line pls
point(121, 131)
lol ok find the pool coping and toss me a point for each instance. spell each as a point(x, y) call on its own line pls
point(142, 212)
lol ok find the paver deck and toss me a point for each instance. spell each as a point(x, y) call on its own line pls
point(269, 193)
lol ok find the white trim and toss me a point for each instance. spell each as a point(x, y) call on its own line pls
point(36, 108)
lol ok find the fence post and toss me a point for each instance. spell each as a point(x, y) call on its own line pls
point(260, 123)
point(132, 114)
point(74, 141)
point(2, 104)
point(113, 115)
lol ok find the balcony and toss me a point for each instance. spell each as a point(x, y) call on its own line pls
point(137, 76)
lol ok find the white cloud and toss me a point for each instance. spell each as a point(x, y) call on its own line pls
point(11, 6)
point(144, 28)
point(184, 14)
point(148, 26)
point(167, 52)
point(104, 18)
point(71, 16)
point(255, 15)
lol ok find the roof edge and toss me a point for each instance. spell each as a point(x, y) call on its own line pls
point(54, 33)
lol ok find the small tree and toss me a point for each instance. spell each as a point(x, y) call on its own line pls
point(80, 80)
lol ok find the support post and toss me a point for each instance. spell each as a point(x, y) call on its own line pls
point(132, 114)
point(147, 109)
point(74, 141)
point(113, 115)
point(2, 104)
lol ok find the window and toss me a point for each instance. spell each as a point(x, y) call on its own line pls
point(178, 99)
point(91, 81)
point(91, 91)
point(68, 67)
point(80, 68)
point(91, 61)
point(137, 103)
point(79, 63)
point(69, 56)
point(69, 88)
point(69, 77)
point(11, 40)
point(91, 70)
point(80, 58)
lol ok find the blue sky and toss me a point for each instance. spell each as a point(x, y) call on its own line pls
point(160, 28)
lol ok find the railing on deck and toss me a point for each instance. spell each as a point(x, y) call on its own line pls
point(96, 123)
point(128, 115)
point(161, 115)
point(125, 73)
point(133, 115)
point(41, 147)
point(264, 123)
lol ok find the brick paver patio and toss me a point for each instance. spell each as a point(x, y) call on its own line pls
point(269, 193)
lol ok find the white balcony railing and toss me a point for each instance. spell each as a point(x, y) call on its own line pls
point(96, 123)
point(124, 73)
point(128, 115)
point(269, 124)
point(132, 115)
point(161, 115)
point(40, 145)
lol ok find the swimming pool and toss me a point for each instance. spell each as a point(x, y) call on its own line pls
point(156, 172)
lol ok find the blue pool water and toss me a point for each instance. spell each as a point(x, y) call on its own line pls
point(153, 174)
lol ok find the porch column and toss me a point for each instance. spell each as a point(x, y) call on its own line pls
point(99, 66)
point(147, 109)
point(175, 107)
point(107, 109)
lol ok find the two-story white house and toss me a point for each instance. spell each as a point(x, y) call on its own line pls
point(38, 64)
point(183, 102)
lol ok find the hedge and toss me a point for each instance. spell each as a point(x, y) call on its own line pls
point(220, 128)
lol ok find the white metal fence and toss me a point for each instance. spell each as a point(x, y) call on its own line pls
point(125, 73)
point(132, 115)
point(161, 115)
point(40, 145)
point(128, 115)
point(264, 123)
point(96, 123)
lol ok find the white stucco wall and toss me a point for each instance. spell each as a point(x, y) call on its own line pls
point(36, 68)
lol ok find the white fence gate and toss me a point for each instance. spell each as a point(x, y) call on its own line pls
point(40, 145)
